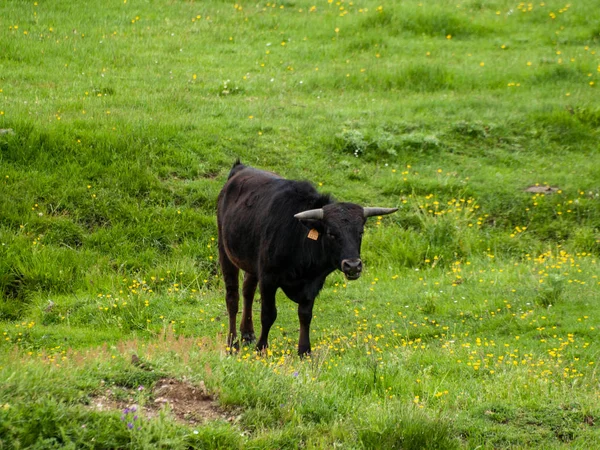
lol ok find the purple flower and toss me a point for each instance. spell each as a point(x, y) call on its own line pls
point(130, 425)
point(133, 409)
point(295, 374)
point(135, 418)
point(126, 411)
point(140, 388)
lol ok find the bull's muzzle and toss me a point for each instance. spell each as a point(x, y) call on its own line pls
point(352, 268)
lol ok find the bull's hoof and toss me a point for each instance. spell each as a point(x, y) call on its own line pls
point(248, 338)
point(304, 351)
point(261, 346)
point(234, 347)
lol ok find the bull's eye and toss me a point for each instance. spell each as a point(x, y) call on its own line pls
point(331, 235)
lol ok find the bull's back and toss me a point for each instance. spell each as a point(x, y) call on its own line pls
point(242, 214)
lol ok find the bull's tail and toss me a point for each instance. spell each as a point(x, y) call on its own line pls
point(237, 166)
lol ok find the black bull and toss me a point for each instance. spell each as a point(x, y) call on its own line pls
point(283, 234)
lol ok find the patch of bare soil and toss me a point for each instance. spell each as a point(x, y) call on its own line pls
point(191, 404)
point(105, 402)
point(536, 189)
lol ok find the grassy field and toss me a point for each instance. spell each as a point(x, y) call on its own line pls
point(475, 324)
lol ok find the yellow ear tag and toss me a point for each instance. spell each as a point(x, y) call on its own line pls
point(313, 234)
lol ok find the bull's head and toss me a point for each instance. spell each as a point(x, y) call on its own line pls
point(341, 225)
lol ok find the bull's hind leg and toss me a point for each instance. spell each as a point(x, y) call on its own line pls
point(232, 295)
point(247, 326)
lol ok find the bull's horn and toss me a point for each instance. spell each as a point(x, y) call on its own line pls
point(310, 214)
point(369, 211)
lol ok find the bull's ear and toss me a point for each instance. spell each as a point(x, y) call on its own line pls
point(313, 223)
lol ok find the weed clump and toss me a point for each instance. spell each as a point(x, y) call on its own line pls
point(228, 88)
point(476, 129)
point(352, 141)
point(383, 143)
point(550, 292)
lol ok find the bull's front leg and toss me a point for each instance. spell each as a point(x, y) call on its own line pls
point(305, 316)
point(268, 313)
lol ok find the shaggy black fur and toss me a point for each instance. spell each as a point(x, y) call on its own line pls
point(259, 234)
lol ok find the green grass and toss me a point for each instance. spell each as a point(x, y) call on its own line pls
point(475, 323)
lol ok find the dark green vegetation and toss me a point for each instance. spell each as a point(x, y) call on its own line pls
point(476, 322)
